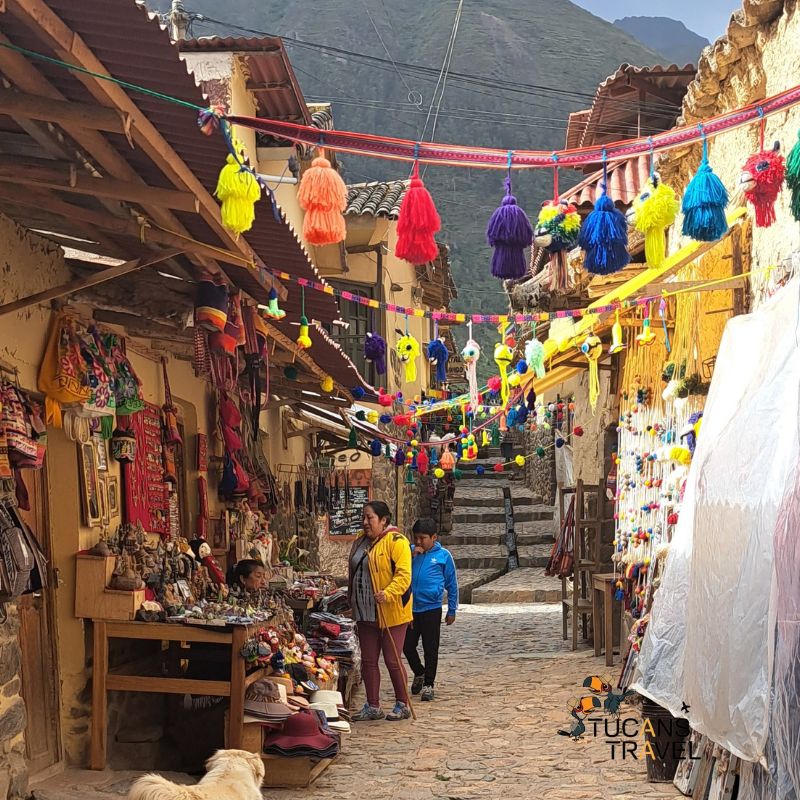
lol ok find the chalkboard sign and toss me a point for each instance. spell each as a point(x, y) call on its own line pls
point(346, 521)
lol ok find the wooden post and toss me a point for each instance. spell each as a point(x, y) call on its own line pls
point(236, 711)
point(97, 756)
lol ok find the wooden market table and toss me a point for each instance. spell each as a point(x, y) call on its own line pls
point(603, 619)
point(145, 675)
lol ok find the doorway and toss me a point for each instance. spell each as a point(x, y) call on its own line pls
point(39, 667)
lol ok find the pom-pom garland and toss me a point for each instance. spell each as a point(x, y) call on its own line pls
point(323, 196)
point(417, 223)
point(509, 232)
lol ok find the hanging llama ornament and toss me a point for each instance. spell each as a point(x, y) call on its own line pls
point(704, 203)
point(417, 223)
point(761, 180)
point(470, 355)
point(503, 356)
point(604, 235)
point(652, 212)
point(592, 348)
point(534, 355)
point(375, 351)
point(509, 232)
point(407, 349)
point(557, 230)
point(793, 177)
point(323, 196)
point(438, 355)
point(238, 191)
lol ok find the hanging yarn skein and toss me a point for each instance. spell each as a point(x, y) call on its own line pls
point(604, 236)
point(238, 191)
point(704, 203)
point(470, 355)
point(509, 232)
point(417, 223)
point(793, 177)
point(323, 196)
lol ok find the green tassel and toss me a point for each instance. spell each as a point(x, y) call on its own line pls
point(388, 451)
point(352, 439)
point(458, 474)
point(495, 436)
point(409, 476)
point(793, 177)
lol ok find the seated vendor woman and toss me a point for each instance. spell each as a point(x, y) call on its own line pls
point(249, 575)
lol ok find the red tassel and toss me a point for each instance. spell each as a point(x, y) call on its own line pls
point(323, 196)
point(417, 223)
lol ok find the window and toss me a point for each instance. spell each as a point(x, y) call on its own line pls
point(362, 319)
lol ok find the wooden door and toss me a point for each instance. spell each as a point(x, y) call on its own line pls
point(39, 666)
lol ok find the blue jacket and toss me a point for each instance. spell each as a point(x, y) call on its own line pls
point(431, 574)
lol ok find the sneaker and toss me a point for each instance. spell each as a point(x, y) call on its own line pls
point(367, 714)
point(427, 693)
point(417, 683)
point(400, 711)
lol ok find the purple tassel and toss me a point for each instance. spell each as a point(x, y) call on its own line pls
point(509, 232)
point(399, 458)
point(375, 351)
point(530, 400)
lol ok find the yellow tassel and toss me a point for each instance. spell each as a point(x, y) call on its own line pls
point(592, 348)
point(654, 211)
point(238, 192)
point(327, 384)
point(303, 339)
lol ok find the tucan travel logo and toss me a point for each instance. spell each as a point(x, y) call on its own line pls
point(597, 712)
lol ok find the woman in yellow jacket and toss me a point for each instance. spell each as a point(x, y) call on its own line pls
point(380, 596)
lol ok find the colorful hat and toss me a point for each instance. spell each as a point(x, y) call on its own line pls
point(211, 306)
point(300, 731)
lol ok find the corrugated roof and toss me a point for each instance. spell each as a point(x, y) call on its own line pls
point(271, 78)
point(625, 180)
point(619, 111)
point(134, 48)
point(376, 199)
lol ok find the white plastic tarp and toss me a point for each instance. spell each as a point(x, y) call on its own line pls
point(710, 641)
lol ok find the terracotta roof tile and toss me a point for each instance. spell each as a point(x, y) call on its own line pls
point(625, 181)
point(376, 199)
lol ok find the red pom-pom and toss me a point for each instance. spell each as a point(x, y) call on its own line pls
point(494, 383)
point(672, 519)
point(384, 398)
point(417, 223)
point(577, 430)
point(498, 467)
point(401, 420)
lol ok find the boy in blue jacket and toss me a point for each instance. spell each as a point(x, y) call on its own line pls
point(432, 571)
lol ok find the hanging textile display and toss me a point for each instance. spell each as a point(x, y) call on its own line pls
point(508, 233)
point(323, 196)
point(617, 344)
point(417, 223)
point(592, 348)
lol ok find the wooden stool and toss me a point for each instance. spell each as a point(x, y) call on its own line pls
point(603, 614)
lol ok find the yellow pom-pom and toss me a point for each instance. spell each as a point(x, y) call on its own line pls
point(238, 191)
point(520, 461)
point(654, 210)
point(303, 339)
point(372, 416)
point(326, 384)
point(438, 472)
point(514, 379)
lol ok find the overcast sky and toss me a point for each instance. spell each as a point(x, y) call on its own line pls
point(709, 18)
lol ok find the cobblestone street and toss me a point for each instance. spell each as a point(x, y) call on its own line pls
point(506, 678)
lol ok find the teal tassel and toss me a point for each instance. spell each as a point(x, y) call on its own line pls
point(793, 177)
point(704, 204)
point(352, 439)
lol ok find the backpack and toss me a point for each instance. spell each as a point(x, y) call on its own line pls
point(22, 563)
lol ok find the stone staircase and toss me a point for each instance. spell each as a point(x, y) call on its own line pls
point(477, 540)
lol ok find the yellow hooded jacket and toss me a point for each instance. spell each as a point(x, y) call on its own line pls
point(390, 569)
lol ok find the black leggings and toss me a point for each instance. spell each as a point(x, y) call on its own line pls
point(427, 625)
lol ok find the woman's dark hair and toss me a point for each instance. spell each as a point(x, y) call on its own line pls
point(243, 569)
point(380, 509)
point(426, 526)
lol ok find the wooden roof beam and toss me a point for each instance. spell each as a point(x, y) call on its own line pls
point(51, 30)
point(65, 177)
point(46, 109)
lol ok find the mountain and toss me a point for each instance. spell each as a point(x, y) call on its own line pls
point(535, 61)
point(668, 36)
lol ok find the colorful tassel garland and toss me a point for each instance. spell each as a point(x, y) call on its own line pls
point(761, 180)
point(604, 238)
point(793, 177)
point(375, 351)
point(417, 223)
point(509, 232)
point(238, 191)
point(323, 196)
point(704, 204)
point(272, 310)
point(438, 355)
point(653, 211)
point(303, 339)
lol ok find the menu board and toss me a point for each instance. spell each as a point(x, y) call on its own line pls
point(345, 520)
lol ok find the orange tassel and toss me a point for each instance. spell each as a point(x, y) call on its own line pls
point(323, 196)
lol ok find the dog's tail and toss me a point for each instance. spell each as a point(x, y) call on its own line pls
point(154, 787)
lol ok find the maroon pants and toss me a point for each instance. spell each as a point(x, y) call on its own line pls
point(374, 639)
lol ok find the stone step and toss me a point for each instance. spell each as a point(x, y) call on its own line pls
point(474, 503)
point(524, 539)
point(536, 555)
point(490, 517)
point(470, 579)
point(524, 585)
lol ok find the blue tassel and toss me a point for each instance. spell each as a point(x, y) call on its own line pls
point(619, 595)
point(604, 238)
point(375, 447)
point(704, 203)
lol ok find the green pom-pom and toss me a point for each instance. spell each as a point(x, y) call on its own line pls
point(793, 177)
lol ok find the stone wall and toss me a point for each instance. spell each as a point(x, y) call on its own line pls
point(540, 472)
point(13, 772)
point(588, 451)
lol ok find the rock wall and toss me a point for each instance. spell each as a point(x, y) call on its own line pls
point(13, 771)
point(540, 472)
point(589, 450)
